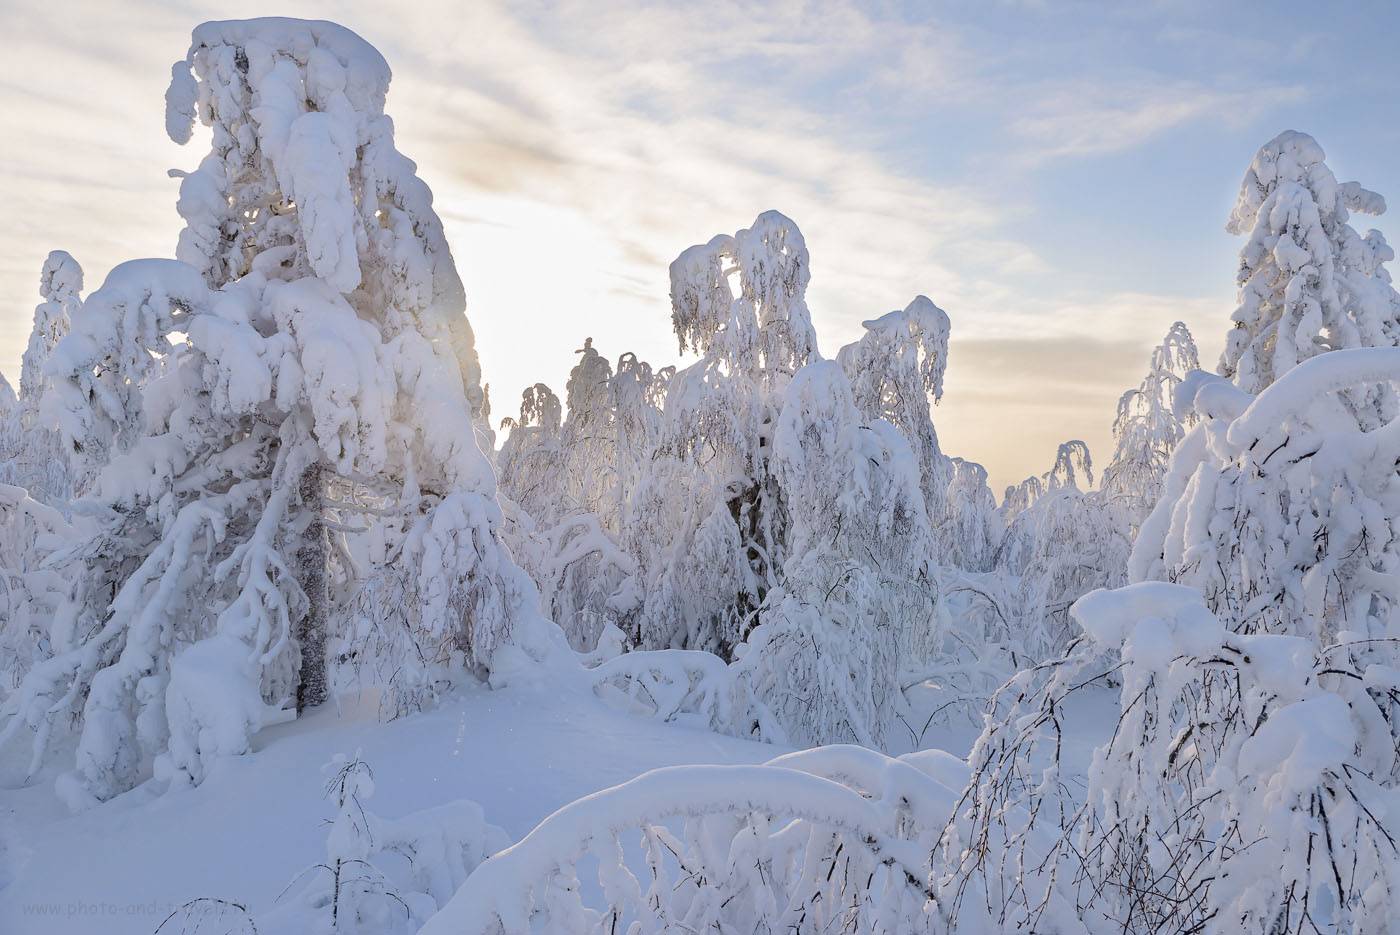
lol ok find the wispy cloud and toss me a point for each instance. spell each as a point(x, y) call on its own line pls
point(1092, 120)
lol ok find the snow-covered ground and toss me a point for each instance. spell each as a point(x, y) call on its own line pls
point(120, 868)
point(242, 835)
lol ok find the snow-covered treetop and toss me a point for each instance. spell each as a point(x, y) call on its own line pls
point(700, 294)
point(302, 158)
point(60, 281)
point(587, 389)
point(928, 329)
point(1308, 282)
point(1017, 498)
point(895, 367)
point(767, 326)
point(367, 74)
point(919, 332)
point(1293, 157)
point(1177, 353)
point(1148, 426)
point(61, 277)
point(538, 406)
point(1071, 459)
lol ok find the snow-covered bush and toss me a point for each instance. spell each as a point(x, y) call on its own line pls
point(831, 839)
point(310, 338)
point(1247, 786)
point(383, 876)
point(1146, 429)
point(684, 686)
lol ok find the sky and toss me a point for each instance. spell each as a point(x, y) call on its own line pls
point(1056, 176)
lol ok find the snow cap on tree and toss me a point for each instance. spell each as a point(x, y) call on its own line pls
point(303, 102)
point(928, 328)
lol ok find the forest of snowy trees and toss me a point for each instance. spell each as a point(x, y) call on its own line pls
point(263, 475)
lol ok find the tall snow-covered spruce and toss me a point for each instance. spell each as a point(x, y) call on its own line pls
point(303, 370)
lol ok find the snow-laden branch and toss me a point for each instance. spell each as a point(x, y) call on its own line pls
point(831, 838)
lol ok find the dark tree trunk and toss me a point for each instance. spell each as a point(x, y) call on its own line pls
point(311, 575)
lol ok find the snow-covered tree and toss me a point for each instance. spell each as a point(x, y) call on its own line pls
point(857, 597)
point(60, 281)
point(1308, 282)
point(895, 369)
point(1278, 506)
point(708, 533)
point(316, 300)
point(1146, 429)
point(569, 482)
point(34, 457)
point(11, 436)
point(777, 518)
point(974, 528)
point(1072, 460)
point(589, 436)
point(637, 395)
point(531, 460)
point(1060, 543)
